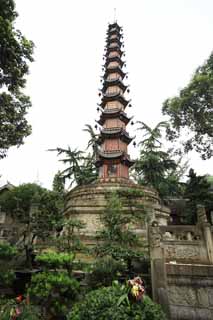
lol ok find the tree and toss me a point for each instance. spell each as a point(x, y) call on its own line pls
point(7, 255)
point(81, 169)
point(155, 167)
point(36, 209)
point(117, 239)
point(93, 142)
point(58, 184)
point(197, 192)
point(15, 53)
point(69, 240)
point(54, 289)
point(192, 110)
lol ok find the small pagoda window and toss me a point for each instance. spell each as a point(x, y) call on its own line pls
point(114, 54)
point(112, 170)
point(113, 64)
point(113, 45)
point(113, 76)
point(113, 89)
point(111, 105)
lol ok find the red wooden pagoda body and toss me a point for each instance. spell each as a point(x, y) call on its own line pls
point(113, 159)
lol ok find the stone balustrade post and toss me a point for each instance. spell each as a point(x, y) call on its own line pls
point(206, 227)
point(158, 268)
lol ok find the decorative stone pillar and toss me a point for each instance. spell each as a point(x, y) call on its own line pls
point(206, 227)
point(158, 268)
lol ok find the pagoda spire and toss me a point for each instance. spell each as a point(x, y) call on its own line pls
point(113, 160)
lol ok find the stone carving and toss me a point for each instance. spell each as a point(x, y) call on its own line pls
point(210, 296)
point(184, 296)
point(154, 235)
point(180, 234)
point(178, 252)
point(201, 214)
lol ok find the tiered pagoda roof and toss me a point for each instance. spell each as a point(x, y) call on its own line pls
point(114, 82)
point(113, 159)
point(113, 113)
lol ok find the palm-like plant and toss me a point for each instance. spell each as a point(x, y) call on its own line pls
point(80, 170)
point(73, 158)
point(155, 167)
point(93, 141)
point(151, 137)
point(81, 167)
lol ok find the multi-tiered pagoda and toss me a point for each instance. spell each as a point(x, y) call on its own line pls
point(113, 159)
point(87, 202)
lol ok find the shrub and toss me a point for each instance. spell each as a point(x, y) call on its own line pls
point(104, 271)
point(55, 260)
point(53, 291)
point(10, 309)
point(7, 251)
point(112, 303)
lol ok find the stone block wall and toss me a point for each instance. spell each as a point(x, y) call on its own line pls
point(182, 270)
point(190, 291)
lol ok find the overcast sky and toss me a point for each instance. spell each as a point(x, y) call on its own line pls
point(165, 41)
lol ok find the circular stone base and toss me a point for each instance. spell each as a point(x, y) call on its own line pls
point(88, 202)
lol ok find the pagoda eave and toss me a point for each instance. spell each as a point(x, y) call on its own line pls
point(104, 157)
point(114, 133)
point(113, 113)
point(112, 49)
point(113, 97)
point(114, 70)
point(114, 32)
point(114, 82)
point(112, 40)
point(114, 28)
point(114, 59)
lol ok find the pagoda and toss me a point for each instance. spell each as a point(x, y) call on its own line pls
point(87, 202)
point(113, 160)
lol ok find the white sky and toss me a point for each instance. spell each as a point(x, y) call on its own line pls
point(165, 41)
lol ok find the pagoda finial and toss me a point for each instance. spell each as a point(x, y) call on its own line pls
point(115, 20)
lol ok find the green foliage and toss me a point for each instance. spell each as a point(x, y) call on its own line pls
point(93, 142)
point(192, 110)
point(30, 203)
point(58, 184)
point(81, 169)
point(36, 208)
point(7, 254)
point(7, 251)
point(155, 167)
point(108, 303)
point(104, 271)
point(54, 291)
point(117, 238)
point(27, 311)
point(15, 53)
point(6, 276)
point(55, 260)
point(197, 192)
point(69, 240)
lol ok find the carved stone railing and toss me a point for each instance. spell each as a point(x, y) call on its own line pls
point(180, 233)
point(183, 243)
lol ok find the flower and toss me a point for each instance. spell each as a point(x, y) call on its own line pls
point(137, 289)
point(19, 298)
point(18, 312)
